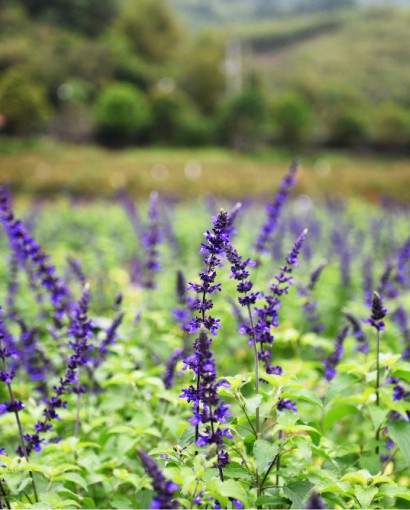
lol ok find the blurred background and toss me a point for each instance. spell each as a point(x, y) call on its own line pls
point(202, 96)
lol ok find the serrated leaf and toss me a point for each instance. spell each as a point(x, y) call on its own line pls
point(365, 495)
point(264, 453)
point(252, 404)
point(297, 492)
point(73, 477)
point(303, 394)
point(400, 433)
point(339, 384)
point(337, 413)
point(236, 470)
point(378, 416)
point(228, 489)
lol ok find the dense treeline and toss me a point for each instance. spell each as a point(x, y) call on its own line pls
point(133, 73)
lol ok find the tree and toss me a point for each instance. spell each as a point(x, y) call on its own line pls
point(22, 102)
point(87, 16)
point(122, 114)
point(150, 27)
point(294, 118)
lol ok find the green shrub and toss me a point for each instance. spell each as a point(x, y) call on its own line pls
point(22, 102)
point(242, 119)
point(390, 126)
point(348, 127)
point(293, 118)
point(175, 120)
point(122, 114)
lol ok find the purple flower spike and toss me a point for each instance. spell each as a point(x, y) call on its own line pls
point(333, 360)
point(164, 489)
point(287, 404)
point(378, 313)
point(274, 209)
point(151, 241)
point(30, 255)
point(209, 410)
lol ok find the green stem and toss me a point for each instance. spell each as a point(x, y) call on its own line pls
point(20, 428)
point(4, 495)
point(377, 388)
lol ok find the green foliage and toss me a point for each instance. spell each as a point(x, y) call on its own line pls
point(122, 114)
point(293, 118)
point(202, 76)
point(22, 102)
point(86, 16)
point(243, 118)
point(150, 28)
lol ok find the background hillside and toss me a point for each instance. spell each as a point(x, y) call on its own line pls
point(258, 74)
point(230, 12)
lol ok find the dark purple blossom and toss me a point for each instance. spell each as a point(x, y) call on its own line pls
point(109, 339)
point(286, 404)
point(80, 333)
point(378, 312)
point(358, 332)
point(151, 239)
point(164, 489)
point(315, 502)
point(209, 409)
point(333, 360)
point(267, 316)
point(28, 252)
point(274, 209)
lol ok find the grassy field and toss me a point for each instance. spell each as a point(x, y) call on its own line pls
point(46, 167)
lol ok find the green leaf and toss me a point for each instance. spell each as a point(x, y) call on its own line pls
point(252, 404)
point(297, 492)
point(236, 470)
point(339, 384)
point(228, 489)
point(337, 413)
point(73, 477)
point(303, 394)
point(378, 416)
point(264, 453)
point(120, 501)
point(272, 500)
point(365, 495)
point(187, 435)
point(400, 433)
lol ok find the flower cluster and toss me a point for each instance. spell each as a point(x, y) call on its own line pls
point(28, 251)
point(267, 316)
point(310, 305)
point(164, 489)
point(333, 360)
point(151, 239)
point(109, 339)
point(209, 409)
point(80, 332)
point(378, 313)
point(273, 209)
point(213, 249)
point(358, 332)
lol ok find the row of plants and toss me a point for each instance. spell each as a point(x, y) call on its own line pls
point(271, 371)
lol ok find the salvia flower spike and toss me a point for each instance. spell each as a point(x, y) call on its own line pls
point(274, 209)
point(164, 489)
point(209, 410)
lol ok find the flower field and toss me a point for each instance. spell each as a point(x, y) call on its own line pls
point(204, 354)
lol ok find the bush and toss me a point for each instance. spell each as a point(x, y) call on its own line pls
point(175, 120)
point(22, 102)
point(242, 119)
point(122, 115)
point(294, 119)
point(390, 126)
point(348, 127)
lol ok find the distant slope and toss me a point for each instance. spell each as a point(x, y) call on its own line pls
point(200, 13)
point(366, 59)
